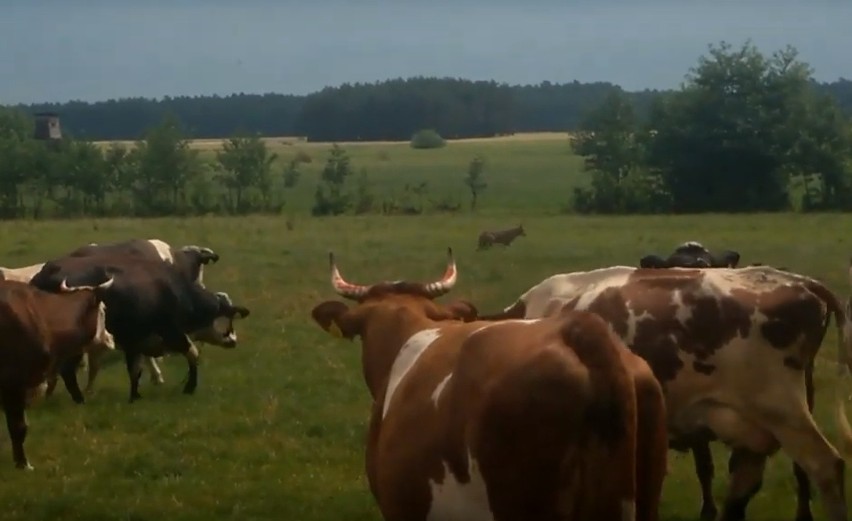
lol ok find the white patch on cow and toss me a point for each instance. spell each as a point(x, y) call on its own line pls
point(102, 335)
point(454, 500)
point(192, 354)
point(436, 394)
point(682, 313)
point(163, 250)
point(632, 324)
point(405, 359)
point(628, 510)
point(503, 322)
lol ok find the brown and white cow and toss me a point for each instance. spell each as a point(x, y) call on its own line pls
point(732, 348)
point(525, 419)
point(38, 330)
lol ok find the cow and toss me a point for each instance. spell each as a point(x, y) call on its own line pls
point(152, 310)
point(733, 349)
point(188, 260)
point(504, 237)
point(39, 330)
point(542, 419)
point(692, 254)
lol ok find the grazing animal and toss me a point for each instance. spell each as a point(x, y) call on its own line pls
point(37, 331)
point(152, 310)
point(734, 349)
point(188, 260)
point(692, 254)
point(504, 237)
point(539, 419)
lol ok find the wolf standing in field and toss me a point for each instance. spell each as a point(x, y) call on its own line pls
point(504, 237)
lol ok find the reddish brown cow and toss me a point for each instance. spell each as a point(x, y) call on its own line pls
point(37, 331)
point(527, 419)
point(734, 349)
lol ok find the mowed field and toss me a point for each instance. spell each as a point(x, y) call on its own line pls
point(276, 428)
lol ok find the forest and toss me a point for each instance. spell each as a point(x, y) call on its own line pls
point(386, 110)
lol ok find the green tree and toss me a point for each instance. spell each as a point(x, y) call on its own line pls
point(475, 180)
point(164, 166)
point(612, 147)
point(331, 197)
point(246, 163)
point(741, 126)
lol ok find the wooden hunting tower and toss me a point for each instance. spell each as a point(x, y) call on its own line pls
point(47, 126)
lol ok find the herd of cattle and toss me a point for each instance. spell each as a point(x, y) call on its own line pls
point(141, 296)
point(561, 406)
point(564, 404)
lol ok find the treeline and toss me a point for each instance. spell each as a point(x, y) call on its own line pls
point(746, 132)
point(388, 110)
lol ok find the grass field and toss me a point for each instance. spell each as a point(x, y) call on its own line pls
point(276, 429)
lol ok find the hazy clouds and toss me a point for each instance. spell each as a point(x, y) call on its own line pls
point(93, 50)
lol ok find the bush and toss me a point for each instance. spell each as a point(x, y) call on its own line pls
point(427, 138)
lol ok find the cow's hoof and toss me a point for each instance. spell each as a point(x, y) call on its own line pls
point(157, 380)
point(189, 390)
point(805, 517)
point(24, 466)
point(708, 512)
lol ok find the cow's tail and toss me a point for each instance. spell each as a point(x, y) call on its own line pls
point(844, 357)
point(611, 418)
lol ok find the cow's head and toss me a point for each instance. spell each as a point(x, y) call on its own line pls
point(727, 259)
point(521, 230)
point(93, 317)
point(221, 331)
point(388, 300)
point(198, 257)
point(653, 261)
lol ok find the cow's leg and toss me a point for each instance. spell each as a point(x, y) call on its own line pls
point(176, 341)
point(93, 364)
point(156, 373)
point(14, 402)
point(752, 444)
point(68, 371)
point(134, 371)
point(192, 361)
point(803, 485)
point(703, 459)
point(802, 440)
point(52, 379)
point(746, 469)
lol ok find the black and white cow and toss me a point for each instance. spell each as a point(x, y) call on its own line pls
point(152, 309)
point(188, 260)
point(692, 254)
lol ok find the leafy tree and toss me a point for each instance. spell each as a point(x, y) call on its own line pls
point(612, 148)
point(247, 163)
point(742, 125)
point(165, 164)
point(474, 180)
point(330, 197)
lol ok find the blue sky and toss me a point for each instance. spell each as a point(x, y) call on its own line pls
point(56, 50)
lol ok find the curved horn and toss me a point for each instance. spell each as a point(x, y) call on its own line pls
point(343, 288)
point(436, 289)
point(63, 286)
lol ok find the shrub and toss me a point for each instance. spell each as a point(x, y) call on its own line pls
point(427, 138)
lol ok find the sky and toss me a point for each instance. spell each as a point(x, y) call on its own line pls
point(91, 50)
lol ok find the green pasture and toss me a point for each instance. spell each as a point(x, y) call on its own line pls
point(526, 171)
point(276, 429)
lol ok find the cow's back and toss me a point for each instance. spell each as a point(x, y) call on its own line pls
point(526, 405)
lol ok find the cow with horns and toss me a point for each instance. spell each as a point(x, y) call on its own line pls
point(551, 418)
point(189, 261)
point(734, 350)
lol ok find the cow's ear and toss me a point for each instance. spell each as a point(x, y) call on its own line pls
point(336, 319)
